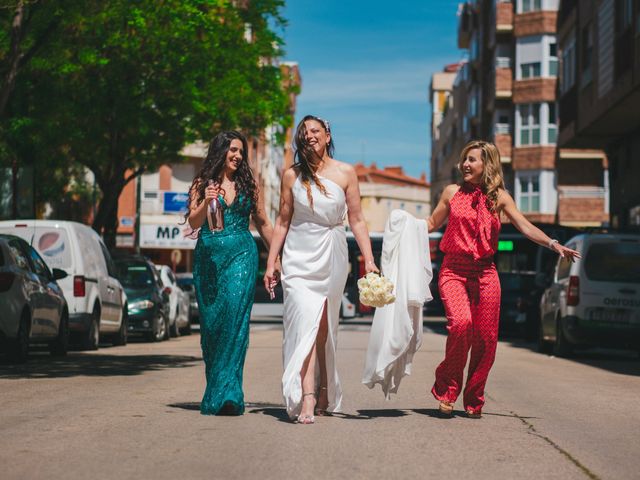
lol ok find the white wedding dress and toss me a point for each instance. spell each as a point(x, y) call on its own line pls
point(396, 330)
point(315, 265)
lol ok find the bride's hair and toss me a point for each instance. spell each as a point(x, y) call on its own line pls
point(492, 178)
point(306, 158)
point(213, 166)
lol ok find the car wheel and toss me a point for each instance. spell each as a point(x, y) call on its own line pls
point(19, 348)
point(159, 329)
point(121, 337)
point(174, 331)
point(91, 338)
point(562, 347)
point(60, 346)
point(186, 330)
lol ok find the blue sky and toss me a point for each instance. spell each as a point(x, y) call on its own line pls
point(366, 67)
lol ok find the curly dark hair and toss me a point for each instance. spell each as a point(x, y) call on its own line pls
point(213, 166)
point(306, 159)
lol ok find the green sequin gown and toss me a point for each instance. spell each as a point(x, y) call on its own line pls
point(224, 273)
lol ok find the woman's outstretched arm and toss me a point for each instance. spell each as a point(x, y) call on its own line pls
point(533, 233)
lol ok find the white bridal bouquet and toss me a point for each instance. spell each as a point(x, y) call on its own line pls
point(375, 290)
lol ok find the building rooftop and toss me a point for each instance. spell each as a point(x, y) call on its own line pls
point(391, 175)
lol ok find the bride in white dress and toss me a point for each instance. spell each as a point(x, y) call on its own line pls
point(316, 194)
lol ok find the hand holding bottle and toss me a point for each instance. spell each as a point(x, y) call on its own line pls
point(215, 214)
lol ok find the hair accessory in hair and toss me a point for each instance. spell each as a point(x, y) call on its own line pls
point(325, 123)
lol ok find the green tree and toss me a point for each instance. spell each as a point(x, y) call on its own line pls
point(124, 85)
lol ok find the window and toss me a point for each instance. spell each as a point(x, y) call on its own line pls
point(38, 264)
point(587, 54)
point(568, 78)
point(552, 124)
point(530, 5)
point(553, 60)
point(18, 255)
point(530, 70)
point(111, 268)
point(530, 124)
point(418, 209)
point(529, 197)
point(564, 265)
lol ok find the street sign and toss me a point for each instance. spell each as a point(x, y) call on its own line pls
point(175, 202)
point(169, 236)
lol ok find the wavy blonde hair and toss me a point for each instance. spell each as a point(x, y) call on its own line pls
point(492, 178)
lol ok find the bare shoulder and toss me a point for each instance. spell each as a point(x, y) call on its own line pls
point(503, 197)
point(289, 176)
point(345, 169)
point(449, 191)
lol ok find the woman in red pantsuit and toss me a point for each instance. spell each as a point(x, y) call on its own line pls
point(468, 282)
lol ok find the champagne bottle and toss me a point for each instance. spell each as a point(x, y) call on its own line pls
point(215, 213)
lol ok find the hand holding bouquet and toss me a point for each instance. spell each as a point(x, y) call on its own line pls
point(375, 290)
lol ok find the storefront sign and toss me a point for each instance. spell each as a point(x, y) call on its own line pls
point(175, 202)
point(165, 236)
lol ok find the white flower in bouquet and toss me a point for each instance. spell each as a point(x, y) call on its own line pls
point(375, 290)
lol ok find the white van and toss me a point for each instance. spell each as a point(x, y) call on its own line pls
point(96, 300)
point(594, 301)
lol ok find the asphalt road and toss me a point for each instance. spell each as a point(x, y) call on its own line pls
point(132, 413)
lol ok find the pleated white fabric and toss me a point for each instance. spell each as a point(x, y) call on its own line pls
point(396, 332)
point(315, 265)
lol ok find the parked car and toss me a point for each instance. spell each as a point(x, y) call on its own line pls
point(148, 307)
point(34, 309)
point(594, 301)
point(185, 282)
point(178, 302)
point(96, 300)
point(518, 303)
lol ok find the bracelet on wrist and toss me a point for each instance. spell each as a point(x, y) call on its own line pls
point(551, 243)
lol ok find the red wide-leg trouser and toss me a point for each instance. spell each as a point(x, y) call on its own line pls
point(470, 291)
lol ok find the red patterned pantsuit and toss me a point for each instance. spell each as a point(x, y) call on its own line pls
point(470, 291)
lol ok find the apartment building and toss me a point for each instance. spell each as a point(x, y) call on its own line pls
point(507, 94)
point(383, 190)
point(441, 93)
point(599, 96)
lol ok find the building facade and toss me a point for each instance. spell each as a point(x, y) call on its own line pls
point(508, 95)
point(388, 189)
point(599, 95)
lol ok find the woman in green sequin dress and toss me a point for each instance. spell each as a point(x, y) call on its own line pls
point(225, 268)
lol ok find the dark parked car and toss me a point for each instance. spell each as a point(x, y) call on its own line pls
point(34, 309)
point(185, 282)
point(148, 302)
point(518, 304)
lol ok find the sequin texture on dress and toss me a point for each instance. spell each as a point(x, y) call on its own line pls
point(224, 272)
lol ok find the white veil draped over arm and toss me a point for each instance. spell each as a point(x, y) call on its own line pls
point(396, 331)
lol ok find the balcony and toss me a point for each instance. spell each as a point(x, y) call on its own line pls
point(534, 90)
point(584, 206)
point(504, 16)
point(504, 141)
point(535, 23)
point(504, 78)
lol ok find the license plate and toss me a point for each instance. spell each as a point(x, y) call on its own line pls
point(620, 316)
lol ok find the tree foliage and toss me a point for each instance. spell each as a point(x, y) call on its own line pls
point(123, 85)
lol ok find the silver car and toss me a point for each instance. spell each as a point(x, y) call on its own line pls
point(34, 309)
point(594, 301)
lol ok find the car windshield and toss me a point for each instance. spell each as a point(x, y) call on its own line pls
point(613, 262)
point(185, 283)
point(135, 275)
